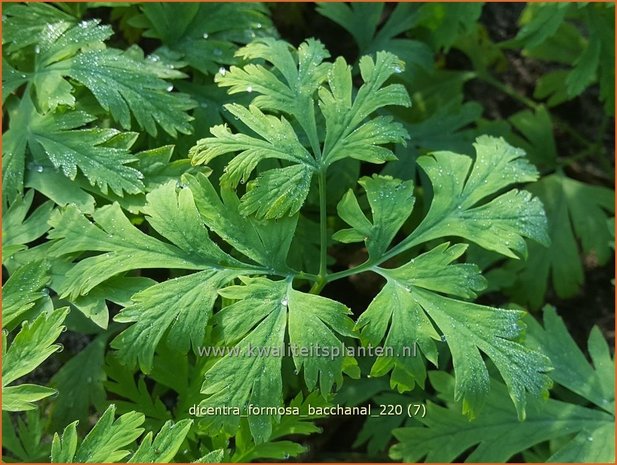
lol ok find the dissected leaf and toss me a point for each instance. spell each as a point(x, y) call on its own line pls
point(205, 35)
point(165, 445)
point(391, 201)
point(361, 20)
point(123, 85)
point(31, 346)
point(496, 435)
point(24, 289)
point(102, 444)
point(80, 384)
point(256, 325)
point(63, 140)
point(282, 191)
point(576, 212)
point(17, 231)
point(460, 206)
point(587, 434)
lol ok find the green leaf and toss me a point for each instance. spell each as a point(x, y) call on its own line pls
point(412, 303)
point(462, 204)
point(256, 325)
point(577, 215)
point(17, 231)
point(133, 393)
point(216, 456)
point(360, 19)
point(24, 289)
point(25, 23)
point(23, 438)
point(172, 214)
point(391, 201)
point(538, 140)
point(302, 73)
point(596, 382)
point(347, 133)
point(24, 396)
point(179, 308)
point(553, 32)
point(62, 139)
point(175, 307)
point(247, 450)
point(165, 444)
point(204, 35)
point(589, 446)
point(124, 85)
point(585, 434)
point(93, 305)
point(446, 434)
point(121, 84)
point(276, 192)
point(449, 22)
point(102, 444)
point(291, 88)
point(31, 346)
point(265, 242)
point(80, 384)
point(539, 22)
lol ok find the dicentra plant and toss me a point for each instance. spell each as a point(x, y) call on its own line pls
point(305, 117)
point(152, 254)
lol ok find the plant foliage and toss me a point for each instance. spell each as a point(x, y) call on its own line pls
point(196, 209)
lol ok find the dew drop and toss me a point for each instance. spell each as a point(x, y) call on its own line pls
point(38, 168)
point(589, 438)
point(83, 24)
point(397, 69)
point(249, 89)
point(205, 36)
point(284, 302)
point(443, 338)
point(222, 71)
point(170, 88)
point(37, 49)
point(258, 26)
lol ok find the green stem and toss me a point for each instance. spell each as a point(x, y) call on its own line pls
point(323, 234)
point(508, 90)
point(351, 271)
